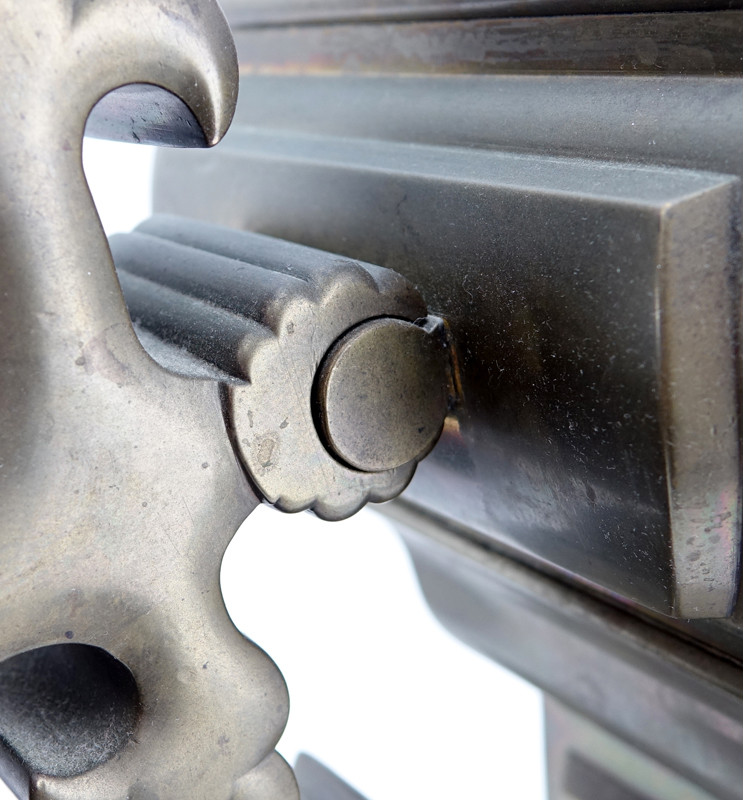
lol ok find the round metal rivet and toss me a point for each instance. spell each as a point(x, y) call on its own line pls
point(382, 395)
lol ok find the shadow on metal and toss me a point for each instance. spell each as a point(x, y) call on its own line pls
point(317, 782)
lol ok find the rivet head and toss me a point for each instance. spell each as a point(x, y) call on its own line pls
point(381, 395)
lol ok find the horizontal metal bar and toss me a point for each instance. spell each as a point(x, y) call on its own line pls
point(269, 13)
point(705, 43)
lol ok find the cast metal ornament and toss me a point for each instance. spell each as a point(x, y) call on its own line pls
point(120, 489)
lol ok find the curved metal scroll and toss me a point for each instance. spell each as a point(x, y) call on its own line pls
point(120, 489)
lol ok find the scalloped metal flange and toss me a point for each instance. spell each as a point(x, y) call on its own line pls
point(264, 312)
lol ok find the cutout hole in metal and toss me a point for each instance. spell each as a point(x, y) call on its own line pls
point(65, 709)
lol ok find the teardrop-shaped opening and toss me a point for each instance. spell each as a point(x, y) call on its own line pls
point(64, 709)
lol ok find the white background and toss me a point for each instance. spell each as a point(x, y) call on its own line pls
point(380, 692)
